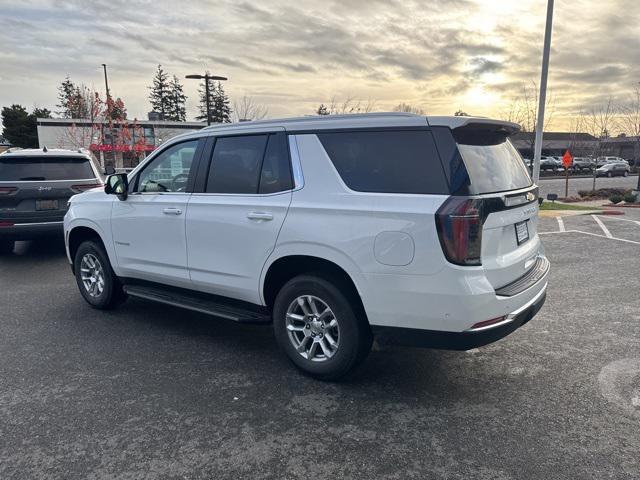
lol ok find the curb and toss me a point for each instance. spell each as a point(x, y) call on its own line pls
point(622, 206)
point(612, 212)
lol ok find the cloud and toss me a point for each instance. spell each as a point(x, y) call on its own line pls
point(294, 55)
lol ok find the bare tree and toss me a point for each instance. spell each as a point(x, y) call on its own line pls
point(408, 108)
point(523, 110)
point(630, 123)
point(349, 106)
point(247, 109)
point(598, 123)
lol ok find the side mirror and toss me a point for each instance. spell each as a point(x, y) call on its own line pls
point(109, 170)
point(117, 184)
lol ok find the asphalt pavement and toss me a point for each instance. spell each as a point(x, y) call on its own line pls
point(557, 184)
point(149, 391)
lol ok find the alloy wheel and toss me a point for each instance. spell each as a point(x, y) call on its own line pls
point(313, 328)
point(92, 275)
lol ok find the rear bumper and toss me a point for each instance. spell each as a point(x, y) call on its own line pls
point(29, 231)
point(468, 339)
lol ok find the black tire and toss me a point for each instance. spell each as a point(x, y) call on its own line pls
point(355, 336)
point(626, 174)
point(112, 294)
point(6, 246)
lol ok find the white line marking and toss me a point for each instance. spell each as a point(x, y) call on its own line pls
point(604, 229)
point(561, 224)
point(612, 217)
point(593, 235)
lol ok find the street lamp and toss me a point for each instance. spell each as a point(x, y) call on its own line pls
point(206, 77)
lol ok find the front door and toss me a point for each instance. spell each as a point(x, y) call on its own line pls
point(149, 226)
point(233, 223)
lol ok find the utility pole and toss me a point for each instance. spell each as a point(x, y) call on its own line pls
point(206, 78)
point(106, 86)
point(543, 92)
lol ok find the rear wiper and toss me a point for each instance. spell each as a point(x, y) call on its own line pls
point(32, 178)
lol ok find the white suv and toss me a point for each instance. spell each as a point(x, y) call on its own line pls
point(420, 231)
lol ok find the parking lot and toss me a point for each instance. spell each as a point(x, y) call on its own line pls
point(148, 391)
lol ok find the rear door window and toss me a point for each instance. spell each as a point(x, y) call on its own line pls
point(394, 161)
point(236, 163)
point(25, 168)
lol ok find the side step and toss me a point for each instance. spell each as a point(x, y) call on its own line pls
point(200, 302)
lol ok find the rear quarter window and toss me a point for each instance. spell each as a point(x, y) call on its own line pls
point(398, 161)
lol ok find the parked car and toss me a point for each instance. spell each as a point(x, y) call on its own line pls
point(549, 163)
point(581, 164)
point(606, 160)
point(35, 185)
point(614, 170)
point(418, 231)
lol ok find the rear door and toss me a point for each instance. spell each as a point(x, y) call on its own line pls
point(35, 189)
point(234, 219)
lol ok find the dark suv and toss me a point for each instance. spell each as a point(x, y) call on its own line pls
point(34, 188)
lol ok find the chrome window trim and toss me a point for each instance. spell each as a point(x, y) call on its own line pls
point(296, 165)
point(35, 223)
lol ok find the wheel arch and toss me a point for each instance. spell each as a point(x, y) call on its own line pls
point(286, 267)
point(80, 233)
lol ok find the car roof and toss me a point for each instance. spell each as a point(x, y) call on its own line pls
point(46, 152)
point(367, 120)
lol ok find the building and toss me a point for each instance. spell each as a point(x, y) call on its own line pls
point(4, 145)
point(579, 144)
point(117, 144)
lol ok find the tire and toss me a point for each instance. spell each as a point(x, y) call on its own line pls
point(96, 263)
point(351, 337)
point(6, 246)
point(626, 174)
point(609, 174)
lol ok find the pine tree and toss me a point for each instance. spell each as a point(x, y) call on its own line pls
point(160, 93)
point(220, 111)
point(177, 100)
point(322, 110)
point(65, 97)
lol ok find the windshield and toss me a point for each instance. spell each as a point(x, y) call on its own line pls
point(494, 165)
point(14, 169)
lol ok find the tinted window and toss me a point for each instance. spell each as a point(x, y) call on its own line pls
point(169, 170)
point(494, 165)
point(386, 161)
point(276, 170)
point(235, 167)
point(45, 168)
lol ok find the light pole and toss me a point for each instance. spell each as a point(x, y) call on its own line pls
point(106, 86)
point(206, 77)
point(543, 92)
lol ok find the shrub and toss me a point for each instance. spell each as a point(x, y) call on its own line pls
point(629, 197)
point(615, 198)
point(601, 193)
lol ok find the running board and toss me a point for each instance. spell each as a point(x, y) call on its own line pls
point(198, 302)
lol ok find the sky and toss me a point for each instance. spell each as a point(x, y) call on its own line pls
point(290, 56)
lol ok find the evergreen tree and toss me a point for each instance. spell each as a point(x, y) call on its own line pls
point(160, 93)
point(177, 100)
point(20, 127)
point(322, 110)
point(220, 111)
point(65, 96)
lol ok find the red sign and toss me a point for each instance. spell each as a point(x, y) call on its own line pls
point(567, 159)
point(121, 148)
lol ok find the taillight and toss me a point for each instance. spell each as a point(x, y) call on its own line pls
point(6, 224)
point(459, 221)
point(7, 190)
point(85, 187)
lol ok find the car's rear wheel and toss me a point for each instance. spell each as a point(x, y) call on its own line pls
point(609, 174)
point(626, 174)
point(6, 246)
point(97, 282)
point(320, 327)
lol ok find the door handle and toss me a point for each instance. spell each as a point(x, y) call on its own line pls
point(172, 211)
point(260, 216)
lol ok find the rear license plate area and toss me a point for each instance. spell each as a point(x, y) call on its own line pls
point(522, 232)
point(46, 205)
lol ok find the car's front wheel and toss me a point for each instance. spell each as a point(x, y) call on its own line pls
point(6, 246)
point(97, 282)
point(319, 326)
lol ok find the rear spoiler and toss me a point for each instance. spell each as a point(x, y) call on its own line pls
point(479, 123)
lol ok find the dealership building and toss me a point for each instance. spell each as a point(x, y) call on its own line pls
point(120, 144)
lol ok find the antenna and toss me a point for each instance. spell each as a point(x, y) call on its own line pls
point(44, 149)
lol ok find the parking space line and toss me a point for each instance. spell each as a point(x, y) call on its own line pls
point(609, 217)
point(604, 229)
point(593, 235)
point(561, 224)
